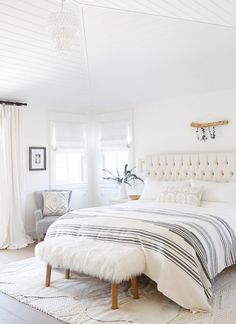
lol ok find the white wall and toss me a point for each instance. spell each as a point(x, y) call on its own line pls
point(164, 126)
point(158, 127)
point(36, 133)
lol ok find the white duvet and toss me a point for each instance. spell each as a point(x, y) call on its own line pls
point(185, 247)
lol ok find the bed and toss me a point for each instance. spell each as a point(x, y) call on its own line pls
point(185, 247)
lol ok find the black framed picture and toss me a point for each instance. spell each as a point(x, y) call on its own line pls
point(37, 158)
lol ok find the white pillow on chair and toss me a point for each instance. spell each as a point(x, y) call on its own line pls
point(55, 203)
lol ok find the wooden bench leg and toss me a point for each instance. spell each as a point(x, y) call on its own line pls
point(114, 293)
point(39, 238)
point(134, 287)
point(67, 273)
point(48, 275)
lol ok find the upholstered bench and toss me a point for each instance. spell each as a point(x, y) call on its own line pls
point(105, 260)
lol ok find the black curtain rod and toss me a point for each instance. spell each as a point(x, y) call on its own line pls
point(13, 103)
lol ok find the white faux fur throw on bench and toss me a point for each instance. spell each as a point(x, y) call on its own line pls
point(105, 260)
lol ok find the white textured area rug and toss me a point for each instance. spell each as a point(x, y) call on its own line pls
point(83, 299)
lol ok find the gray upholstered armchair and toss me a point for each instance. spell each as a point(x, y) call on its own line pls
point(43, 222)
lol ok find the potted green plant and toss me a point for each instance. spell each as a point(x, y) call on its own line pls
point(122, 179)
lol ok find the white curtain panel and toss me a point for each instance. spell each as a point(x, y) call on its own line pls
point(12, 232)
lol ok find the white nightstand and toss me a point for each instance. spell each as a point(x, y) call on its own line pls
point(117, 201)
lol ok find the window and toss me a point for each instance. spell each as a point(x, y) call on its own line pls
point(69, 167)
point(114, 160)
point(68, 153)
point(115, 141)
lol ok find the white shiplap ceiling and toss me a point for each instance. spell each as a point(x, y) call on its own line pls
point(127, 52)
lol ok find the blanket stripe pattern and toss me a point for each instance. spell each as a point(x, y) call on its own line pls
point(198, 246)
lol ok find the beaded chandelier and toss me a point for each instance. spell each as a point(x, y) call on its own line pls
point(64, 25)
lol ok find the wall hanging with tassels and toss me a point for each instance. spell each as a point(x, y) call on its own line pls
point(205, 131)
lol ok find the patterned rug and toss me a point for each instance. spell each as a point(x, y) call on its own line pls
point(83, 299)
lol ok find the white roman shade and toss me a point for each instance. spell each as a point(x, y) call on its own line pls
point(114, 134)
point(68, 135)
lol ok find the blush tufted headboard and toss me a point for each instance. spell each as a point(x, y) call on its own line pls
point(220, 167)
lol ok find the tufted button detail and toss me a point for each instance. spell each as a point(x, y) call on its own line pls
point(207, 167)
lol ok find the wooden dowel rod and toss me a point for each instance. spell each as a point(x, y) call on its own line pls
point(205, 125)
point(48, 275)
point(67, 273)
point(114, 293)
point(134, 287)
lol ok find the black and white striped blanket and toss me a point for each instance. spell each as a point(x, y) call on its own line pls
point(184, 247)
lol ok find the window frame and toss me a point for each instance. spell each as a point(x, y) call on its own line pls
point(75, 183)
point(103, 182)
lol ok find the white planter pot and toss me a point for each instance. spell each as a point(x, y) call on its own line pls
point(123, 191)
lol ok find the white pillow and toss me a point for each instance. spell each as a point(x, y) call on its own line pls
point(152, 187)
point(55, 203)
point(181, 195)
point(217, 191)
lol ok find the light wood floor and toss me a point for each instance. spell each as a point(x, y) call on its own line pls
point(12, 311)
